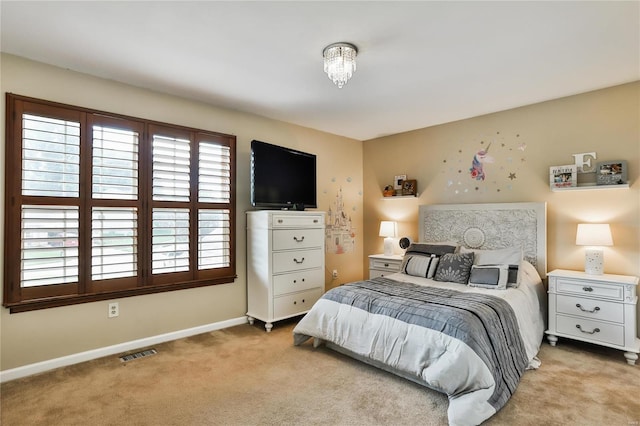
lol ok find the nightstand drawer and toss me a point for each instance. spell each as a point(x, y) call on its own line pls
point(590, 308)
point(590, 330)
point(589, 288)
point(391, 265)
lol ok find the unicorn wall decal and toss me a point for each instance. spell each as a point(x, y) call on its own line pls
point(481, 157)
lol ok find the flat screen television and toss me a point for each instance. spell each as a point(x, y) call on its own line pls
point(282, 178)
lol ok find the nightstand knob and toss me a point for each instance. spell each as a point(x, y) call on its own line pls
point(597, 308)
point(595, 330)
point(587, 288)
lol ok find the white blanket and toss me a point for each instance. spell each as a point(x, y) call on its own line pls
point(428, 356)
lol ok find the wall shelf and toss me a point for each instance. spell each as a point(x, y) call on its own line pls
point(400, 196)
point(590, 187)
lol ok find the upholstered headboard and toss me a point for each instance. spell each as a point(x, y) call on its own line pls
point(489, 226)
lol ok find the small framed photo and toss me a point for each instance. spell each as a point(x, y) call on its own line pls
point(563, 176)
point(409, 187)
point(397, 181)
point(611, 172)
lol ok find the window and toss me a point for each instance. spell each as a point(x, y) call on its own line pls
point(101, 205)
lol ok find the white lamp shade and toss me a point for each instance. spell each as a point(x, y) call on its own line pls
point(594, 234)
point(388, 229)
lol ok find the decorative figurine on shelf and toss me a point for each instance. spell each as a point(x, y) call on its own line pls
point(389, 191)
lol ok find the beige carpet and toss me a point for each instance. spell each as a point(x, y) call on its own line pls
point(244, 376)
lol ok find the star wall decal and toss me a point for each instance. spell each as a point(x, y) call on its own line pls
point(522, 147)
point(512, 176)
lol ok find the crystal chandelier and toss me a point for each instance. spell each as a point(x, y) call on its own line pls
point(340, 62)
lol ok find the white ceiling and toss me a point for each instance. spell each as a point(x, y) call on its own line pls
point(420, 63)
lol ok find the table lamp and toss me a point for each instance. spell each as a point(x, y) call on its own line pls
point(389, 230)
point(595, 236)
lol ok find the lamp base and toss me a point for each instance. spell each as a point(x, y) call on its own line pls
point(388, 246)
point(594, 261)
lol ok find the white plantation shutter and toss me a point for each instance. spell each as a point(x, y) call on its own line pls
point(214, 173)
point(50, 157)
point(214, 239)
point(115, 163)
point(49, 252)
point(170, 242)
point(171, 168)
point(114, 242)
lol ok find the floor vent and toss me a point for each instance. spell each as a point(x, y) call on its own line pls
point(137, 355)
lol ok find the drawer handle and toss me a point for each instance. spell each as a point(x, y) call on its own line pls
point(295, 302)
point(298, 261)
point(386, 265)
point(298, 240)
point(315, 220)
point(595, 330)
point(279, 220)
point(596, 309)
point(587, 288)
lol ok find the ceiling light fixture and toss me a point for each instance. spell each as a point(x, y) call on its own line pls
point(340, 62)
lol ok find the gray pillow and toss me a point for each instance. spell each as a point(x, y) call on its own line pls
point(421, 259)
point(454, 267)
point(489, 276)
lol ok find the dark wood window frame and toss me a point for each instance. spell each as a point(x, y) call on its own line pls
point(203, 207)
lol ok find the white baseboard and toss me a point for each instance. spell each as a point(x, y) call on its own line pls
point(40, 367)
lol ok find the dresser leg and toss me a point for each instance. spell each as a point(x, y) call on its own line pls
point(631, 357)
point(268, 326)
point(552, 339)
point(250, 319)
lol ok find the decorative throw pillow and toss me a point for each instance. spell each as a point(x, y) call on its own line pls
point(511, 257)
point(421, 259)
point(454, 267)
point(489, 276)
point(420, 266)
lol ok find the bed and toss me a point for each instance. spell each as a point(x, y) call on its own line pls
point(466, 314)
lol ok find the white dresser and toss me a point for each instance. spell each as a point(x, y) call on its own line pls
point(381, 265)
point(600, 309)
point(285, 263)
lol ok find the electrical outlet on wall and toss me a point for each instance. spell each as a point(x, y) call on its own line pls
point(334, 274)
point(114, 309)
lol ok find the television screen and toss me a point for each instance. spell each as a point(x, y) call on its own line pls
point(282, 177)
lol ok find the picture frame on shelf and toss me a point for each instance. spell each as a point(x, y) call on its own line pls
point(611, 172)
point(563, 176)
point(397, 181)
point(409, 187)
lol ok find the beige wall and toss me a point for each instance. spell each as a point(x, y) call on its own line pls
point(525, 141)
point(36, 336)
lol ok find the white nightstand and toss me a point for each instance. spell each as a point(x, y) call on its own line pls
point(599, 309)
point(381, 265)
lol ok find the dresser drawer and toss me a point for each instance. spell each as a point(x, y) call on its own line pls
point(589, 288)
point(590, 308)
point(590, 330)
point(289, 239)
point(297, 281)
point(297, 221)
point(297, 303)
point(288, 261)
